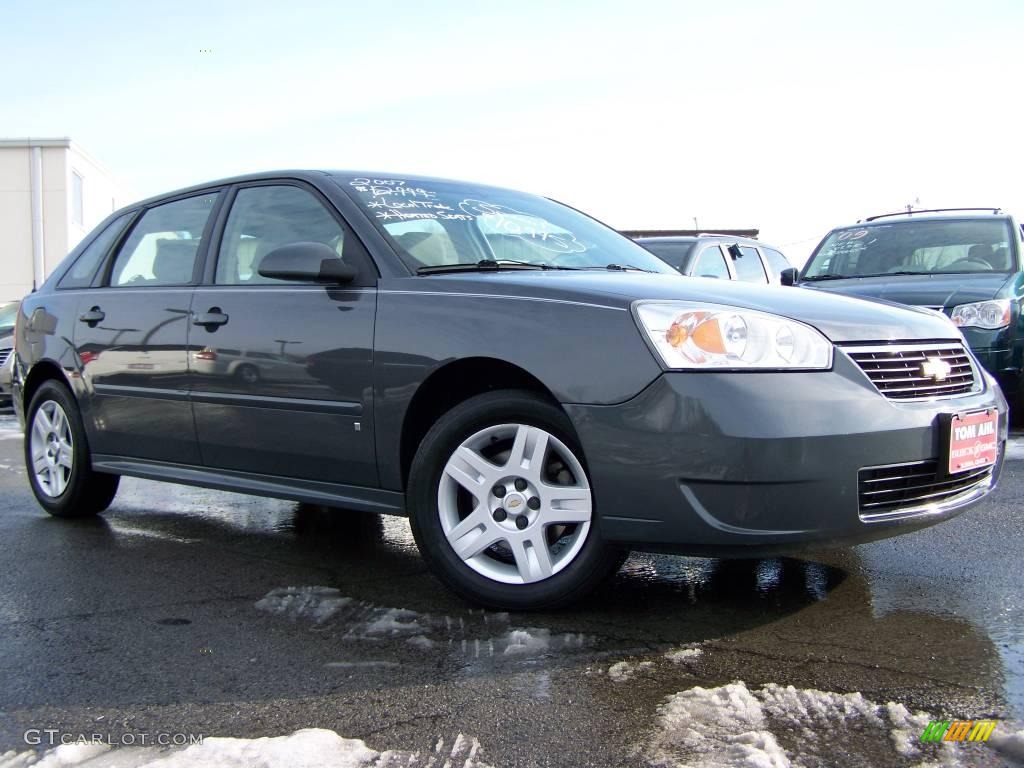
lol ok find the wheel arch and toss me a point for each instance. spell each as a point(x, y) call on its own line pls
point(451, 384)
point(40, 372)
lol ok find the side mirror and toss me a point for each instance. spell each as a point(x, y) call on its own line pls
point(789, 276)
point(306, 262)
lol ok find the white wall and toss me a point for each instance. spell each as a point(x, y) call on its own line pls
point(15, 223)
point(100, 195)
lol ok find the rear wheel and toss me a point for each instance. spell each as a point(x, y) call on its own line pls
point(57, 457)
point(502, 508)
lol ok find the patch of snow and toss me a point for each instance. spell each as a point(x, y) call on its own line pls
point(421, 641)
point(624, 670)
point(683, 654)
point(358, 664)
point(733, 726)
point(393, 621)
point(315, 603)
point(530, 641)
point(308, 748)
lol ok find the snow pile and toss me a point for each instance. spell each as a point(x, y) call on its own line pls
point(394, 621)
point(624, 670)
point(314, 603)
point(782, 726)
point(308, 748)
point(530, 641)
point(684, 654)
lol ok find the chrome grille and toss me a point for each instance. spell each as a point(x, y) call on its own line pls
point(4, 354)
point(893, 491)
point(897, 370)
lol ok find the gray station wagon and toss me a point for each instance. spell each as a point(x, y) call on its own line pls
point(537, 393)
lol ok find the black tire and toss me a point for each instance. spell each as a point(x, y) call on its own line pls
point(595, 561)
point(248, 374)
point(87, 492)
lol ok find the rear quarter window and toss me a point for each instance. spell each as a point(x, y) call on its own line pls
point(81, 273)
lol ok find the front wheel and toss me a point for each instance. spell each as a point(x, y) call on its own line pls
point(502, 508)
point(57, 457)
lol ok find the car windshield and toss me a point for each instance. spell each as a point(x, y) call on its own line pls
point(435, 224)
point(674, 254)
point(914, 247)
point(8, 314)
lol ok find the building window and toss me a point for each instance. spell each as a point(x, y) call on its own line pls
point(77, 214)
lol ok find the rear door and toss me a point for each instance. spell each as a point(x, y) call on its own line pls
point(282, 380)
point(132, 334)
point(746, 263)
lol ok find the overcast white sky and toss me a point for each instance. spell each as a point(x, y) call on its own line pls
point(791, 116)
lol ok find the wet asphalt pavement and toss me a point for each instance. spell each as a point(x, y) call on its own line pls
point(186, 610)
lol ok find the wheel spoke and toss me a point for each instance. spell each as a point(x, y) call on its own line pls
point(39, 464)
point(471, 470)
point(64, 458)
point(473, 535)
point(567, 504)
point(533, 558)
point(528, 450)
point(59, 422)
point(59, 481)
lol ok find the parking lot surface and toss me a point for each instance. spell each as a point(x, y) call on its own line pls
point(183, 610)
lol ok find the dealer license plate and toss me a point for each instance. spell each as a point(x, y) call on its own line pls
point(973, 441)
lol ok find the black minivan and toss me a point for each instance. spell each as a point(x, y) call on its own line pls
point(539, 394)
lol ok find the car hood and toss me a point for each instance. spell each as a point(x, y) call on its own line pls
point(921, 290)
point(840, 318)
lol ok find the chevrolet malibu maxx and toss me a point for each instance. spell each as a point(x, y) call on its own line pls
point(538, 394)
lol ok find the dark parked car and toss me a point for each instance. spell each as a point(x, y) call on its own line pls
point(536, 392)
point(963, 262)
point(725, 257)
point(8, 313)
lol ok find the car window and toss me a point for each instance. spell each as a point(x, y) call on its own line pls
point(748, 266)
point(954, 246)
point(267, 217)
point(711, 263)
point(8, 315)
point(776, 260)
point(81, 273)
point(163, 246)
point(673, 254)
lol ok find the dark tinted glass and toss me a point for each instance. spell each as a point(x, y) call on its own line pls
point(748, 266)
point(711, 263)
point(673, 254)
point(164, 244)
point(81, 273)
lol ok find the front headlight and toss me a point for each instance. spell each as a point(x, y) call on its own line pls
point(709, 336)
point(982, 314)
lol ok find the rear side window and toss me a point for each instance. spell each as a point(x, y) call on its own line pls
point(776, 261)
point(748, 266)
point(81, 273)
point(163, 246)
point(711, 263)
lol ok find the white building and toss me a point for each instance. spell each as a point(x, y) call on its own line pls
point(52, 193)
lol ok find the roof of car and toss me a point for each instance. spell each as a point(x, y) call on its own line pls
point(301, 173)
point(949, 215)
point(704, 236)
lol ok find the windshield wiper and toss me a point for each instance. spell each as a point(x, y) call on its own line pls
point(827, 277)
point(625, 268)
point(485, 265)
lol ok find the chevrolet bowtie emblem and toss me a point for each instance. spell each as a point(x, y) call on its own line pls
point(936, 368)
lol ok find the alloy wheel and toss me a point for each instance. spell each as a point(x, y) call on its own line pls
point(52, 448)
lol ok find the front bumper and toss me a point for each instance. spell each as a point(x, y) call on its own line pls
point(759, 463)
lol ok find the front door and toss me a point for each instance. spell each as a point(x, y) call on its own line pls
point(132, 336)
point(282, 373)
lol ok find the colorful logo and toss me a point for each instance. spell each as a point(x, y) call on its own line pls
point(958, 730)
